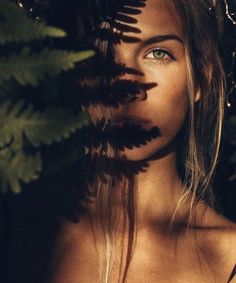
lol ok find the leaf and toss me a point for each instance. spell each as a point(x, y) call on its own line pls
point(116, 168)
point(39, 128)
point(54, 125)
point(28, 68)
point(18, 167)
point(128, 135)
point(16, 26)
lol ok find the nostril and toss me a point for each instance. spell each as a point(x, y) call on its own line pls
point(144, 88)
point(142, 95)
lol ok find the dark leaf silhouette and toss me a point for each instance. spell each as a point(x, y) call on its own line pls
point(114, 36)
point(119, 15)
point(128, 135)
point(124, 27)
point(232, 274)
point(115, 168)
point(126, 19)
point(120, 92)
point(129, 10)
point(103, 66)
point(110, 8)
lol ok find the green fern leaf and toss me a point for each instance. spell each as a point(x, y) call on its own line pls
point(40, 128)
point(18, 167)
point(17, 27)
point(28, 68)
point(53, 125)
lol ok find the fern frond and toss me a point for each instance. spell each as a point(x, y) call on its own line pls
point(39, 128)
point(29, 68)
point(53, 125)
point(18, 167)
point(18, 27)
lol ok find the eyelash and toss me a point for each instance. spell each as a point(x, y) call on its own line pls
point(163, 61)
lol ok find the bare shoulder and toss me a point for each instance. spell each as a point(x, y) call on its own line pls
point(226, 237)
point(220, 239)
point(71, 236)
point(74, 254)
point(221, 230)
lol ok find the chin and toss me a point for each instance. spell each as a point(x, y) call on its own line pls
point(152, 150)
point(136, 154)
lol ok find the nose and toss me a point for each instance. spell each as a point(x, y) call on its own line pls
point(131, 93)
point(130, 80)
point(131, 85)
point(132, 70)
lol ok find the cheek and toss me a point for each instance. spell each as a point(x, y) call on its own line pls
point(170, 100)
point(168, 115)
point(171, 112)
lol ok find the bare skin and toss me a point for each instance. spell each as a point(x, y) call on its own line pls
point(208, 252)
point(204, 255)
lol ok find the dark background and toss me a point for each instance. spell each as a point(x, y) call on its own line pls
point(30, 220)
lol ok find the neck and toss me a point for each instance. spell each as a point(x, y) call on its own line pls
point(158, 190)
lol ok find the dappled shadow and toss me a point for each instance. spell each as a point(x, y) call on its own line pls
point(119, 15)
point(113, 167)
point(101, 82)
point(128, 135)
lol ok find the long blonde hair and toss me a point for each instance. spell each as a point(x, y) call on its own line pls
point(202, 136)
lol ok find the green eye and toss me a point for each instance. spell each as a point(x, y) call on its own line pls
point(159, 54)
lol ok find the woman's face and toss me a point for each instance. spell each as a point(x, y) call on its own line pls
point(160, 56)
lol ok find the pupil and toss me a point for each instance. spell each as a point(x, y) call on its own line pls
point(159, 54)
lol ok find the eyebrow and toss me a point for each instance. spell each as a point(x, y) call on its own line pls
point(161, 38)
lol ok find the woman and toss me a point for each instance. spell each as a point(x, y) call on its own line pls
point(160, 225)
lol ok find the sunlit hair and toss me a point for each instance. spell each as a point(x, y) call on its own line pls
point(205, 117)
point(200, 139)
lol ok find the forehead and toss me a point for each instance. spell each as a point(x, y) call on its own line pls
point(158, 17)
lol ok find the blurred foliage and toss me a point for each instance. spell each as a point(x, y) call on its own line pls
point(29, 120)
